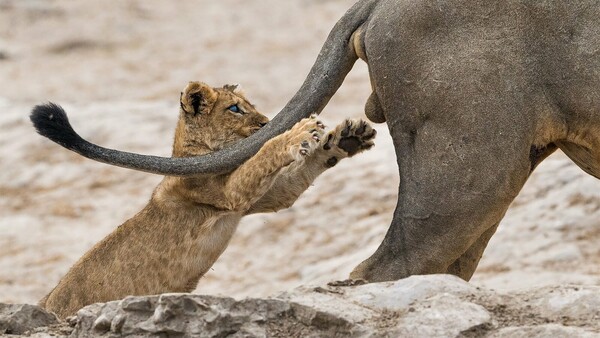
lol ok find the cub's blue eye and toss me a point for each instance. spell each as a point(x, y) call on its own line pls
point(234, 108)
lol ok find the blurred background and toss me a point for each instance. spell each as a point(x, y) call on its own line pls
point(118, 67)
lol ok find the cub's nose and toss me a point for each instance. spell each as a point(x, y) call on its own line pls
point(262, 124)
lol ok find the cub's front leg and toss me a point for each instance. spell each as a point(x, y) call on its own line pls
point(254, 178)
point(346, 140)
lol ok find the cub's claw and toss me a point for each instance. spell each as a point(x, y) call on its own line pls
point(305, 147)
point(305, 136)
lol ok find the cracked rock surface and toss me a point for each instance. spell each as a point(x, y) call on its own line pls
point(419, 306)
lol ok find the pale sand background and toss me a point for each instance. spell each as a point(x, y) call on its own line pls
point(118, 68)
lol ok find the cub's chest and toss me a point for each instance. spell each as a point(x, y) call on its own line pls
point(219, 228)
point(210, 237)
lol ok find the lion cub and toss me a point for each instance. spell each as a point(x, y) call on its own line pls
point(189, 221)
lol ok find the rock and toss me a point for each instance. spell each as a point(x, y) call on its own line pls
point(544, 331)
point(443, 315)
point(205, 316)
point(397, 296)
point(418, 306)
point(20, 318)
point(569, 303)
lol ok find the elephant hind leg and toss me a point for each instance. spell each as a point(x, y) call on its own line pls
point(455, 188)
point(433, 232)
point(465, 266)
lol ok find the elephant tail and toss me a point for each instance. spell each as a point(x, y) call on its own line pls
point(337, 57)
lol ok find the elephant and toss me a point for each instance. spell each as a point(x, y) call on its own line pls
point(475, 95)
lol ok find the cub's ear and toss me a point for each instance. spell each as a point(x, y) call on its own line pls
point(197, 98)
point(231, 88)
point(234, 88)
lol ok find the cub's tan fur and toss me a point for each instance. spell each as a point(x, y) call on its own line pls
point(189, 221)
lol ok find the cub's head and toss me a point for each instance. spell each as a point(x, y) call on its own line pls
point(211, 118)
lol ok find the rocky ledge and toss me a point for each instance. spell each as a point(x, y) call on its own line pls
point(419, 306)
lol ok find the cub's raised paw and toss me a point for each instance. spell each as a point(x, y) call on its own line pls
point(305, 137)
point(351, 136)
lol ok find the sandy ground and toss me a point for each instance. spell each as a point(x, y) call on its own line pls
point(118, 68)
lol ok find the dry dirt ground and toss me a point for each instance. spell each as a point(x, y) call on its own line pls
point(118, 68)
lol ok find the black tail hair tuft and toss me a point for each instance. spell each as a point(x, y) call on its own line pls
point(51, 121)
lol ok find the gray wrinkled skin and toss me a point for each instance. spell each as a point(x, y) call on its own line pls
point(475, 94)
